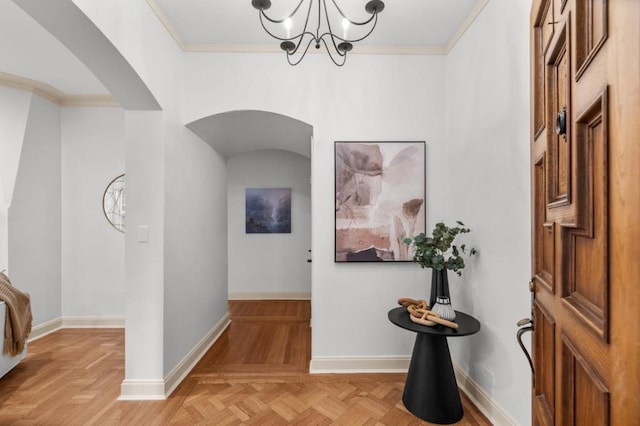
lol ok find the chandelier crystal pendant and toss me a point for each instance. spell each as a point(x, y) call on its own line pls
point(336, 45)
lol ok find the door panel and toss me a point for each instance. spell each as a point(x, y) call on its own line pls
point(586, 287)
point(585, 396)
point(559, 146)
point(585, 128)
point(544, 366)
point(543, 230)
point(591, 31)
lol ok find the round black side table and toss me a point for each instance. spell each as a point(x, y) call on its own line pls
point(431, 392)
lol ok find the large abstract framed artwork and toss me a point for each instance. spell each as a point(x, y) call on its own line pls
point(380, 199)
point(268, 210)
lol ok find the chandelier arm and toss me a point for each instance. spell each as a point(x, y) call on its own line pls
point(373, 27)
point(264, 27)
point(319, 17)
point(332, 52)
point(304, 30)
point(353, 40)
point(343, 55)
point(331, 34)
point(313, 38)
point(306, 24)
point(375, 16)
point(334, 36)
point(280, 21)
point(348, 19)
point(289, 55)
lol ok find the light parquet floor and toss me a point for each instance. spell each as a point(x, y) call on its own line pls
point(255, 374)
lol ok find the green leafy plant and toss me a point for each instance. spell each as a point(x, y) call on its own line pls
point(438, 251)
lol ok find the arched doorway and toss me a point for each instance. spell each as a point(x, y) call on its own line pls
point(264, 150)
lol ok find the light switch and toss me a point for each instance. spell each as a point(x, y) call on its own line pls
point(143, 234)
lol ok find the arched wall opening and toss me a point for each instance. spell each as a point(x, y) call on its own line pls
point(264, 150)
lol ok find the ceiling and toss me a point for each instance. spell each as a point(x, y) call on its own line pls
point(413, 26)
point(28, 51)
point(31, 56)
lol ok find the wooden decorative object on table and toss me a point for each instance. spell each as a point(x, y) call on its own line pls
point(420, 314)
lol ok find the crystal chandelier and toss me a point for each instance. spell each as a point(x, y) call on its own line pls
point(337, 46)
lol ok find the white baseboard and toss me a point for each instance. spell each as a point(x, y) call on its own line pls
point(400, 364)
point(93, 322)
point(56, 324)
point(492, 411)
point(347, 364)
point(303, 295)
point(45, 328)
point(141, 390)
point(177, 375)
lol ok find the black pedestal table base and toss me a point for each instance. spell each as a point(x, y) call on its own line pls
point(430, 391)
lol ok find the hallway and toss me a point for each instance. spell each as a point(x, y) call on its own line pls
point(265, 338)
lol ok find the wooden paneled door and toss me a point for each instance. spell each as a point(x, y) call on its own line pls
point(585, 171)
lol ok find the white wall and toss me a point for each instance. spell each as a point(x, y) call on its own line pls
point(144, 260)
point(35, 213)
point(93, 280)
point(269, 263)
point(373, 98)
point(195, 242)
point(488, 149)
point(14, 111)
point(59, 161)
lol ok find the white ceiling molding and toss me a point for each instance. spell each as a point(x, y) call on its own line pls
point(54, 95)
point(365, 50)
point(162, 17)
point(89, 101)
point(274, 48)
point(471, 17)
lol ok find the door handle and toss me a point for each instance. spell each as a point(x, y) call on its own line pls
point(525, 325)
point(561, 123)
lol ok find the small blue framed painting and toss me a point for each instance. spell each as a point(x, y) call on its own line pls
point(268, 210)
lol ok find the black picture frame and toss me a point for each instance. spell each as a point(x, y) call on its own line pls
point(380, 198)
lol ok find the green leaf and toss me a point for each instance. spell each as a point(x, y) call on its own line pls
point(438, 250)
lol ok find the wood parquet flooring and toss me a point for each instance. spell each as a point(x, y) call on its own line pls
point(269, 338)
point(255, 374)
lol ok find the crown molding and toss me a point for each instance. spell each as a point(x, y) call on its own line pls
point(89, 101)
point(39, 88)
point(471, 17)
point(164, 20)
point(273, 48)
point(54, 95)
